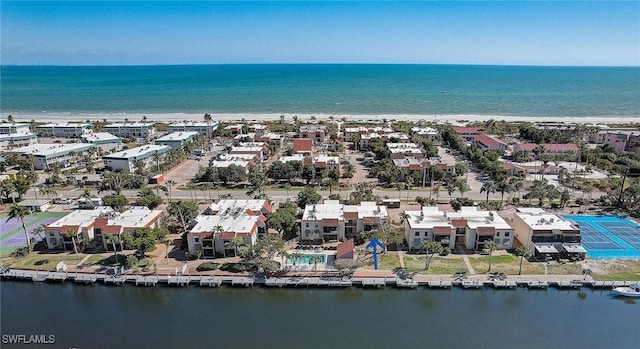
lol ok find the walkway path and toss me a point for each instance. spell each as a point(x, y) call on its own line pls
point(81, 262)
point(465, 259)
point(401, 258)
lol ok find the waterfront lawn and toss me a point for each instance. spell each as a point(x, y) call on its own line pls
point(509, 264)
point(439, 265)
point(386, 261)
point(105, 260)
point(48, 262)
point(617, 270)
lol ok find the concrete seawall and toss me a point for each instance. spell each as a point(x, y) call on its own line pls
point(369, 281)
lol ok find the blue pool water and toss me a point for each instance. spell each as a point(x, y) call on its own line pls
point(609, 236)
point(306, 259)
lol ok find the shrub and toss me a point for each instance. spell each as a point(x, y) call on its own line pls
point(445, 251)
point(130, 261)
point(207, 266)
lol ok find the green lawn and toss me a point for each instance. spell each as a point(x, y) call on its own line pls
point(387, 261)
point(104, 259)
point(509, 264)
point(45, 261)
point(439, 265)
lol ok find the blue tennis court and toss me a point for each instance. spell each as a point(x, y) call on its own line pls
point(609, 236)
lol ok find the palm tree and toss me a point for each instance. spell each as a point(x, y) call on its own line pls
point(539, 151)
point(20, 212)
point(166, 243)
point(489, 247)
point(408, 184)
point(503, 186)
point(295, 257)
point(283, 256)
point(522, 252)
point(111, 239)
point(48, 192)
point(234, 244)
point(488, 187)
point(348, 170)
point(315, 259)
point(399, 186)
point(207, 119)
point(170, 184)
point(71, 233)
point(431, 248)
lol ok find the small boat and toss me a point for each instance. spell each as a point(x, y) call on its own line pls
point(627, 291)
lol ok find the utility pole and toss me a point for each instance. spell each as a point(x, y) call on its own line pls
point(624, 178)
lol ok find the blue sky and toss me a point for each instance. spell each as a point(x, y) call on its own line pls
point(143, 32)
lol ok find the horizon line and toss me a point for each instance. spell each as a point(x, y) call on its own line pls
point(321, 63)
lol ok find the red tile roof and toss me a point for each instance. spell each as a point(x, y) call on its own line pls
point(112, 230)
point(552, 148)
point(459, 223)
point(345, 248)
point(489, 141)
point(442, 230)
point(486, 230)
point(468, 130)
point(301, 145)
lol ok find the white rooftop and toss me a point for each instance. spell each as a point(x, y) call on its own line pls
point(368, 129)
point(226, 163)
point(333, 209)
point(235, 157)
point(47, 149)
point(476, 218)
point(228, 223)
point(137, 217)
point(100, 136)
point(294, 157)
point(539, 219)
point(65, 124)
point(130, 124)
point(192, 124)
point(326, 158)
point(82, 218)
point(235, 204)
point(424, 130)
point(139, 151)
point(177, 136)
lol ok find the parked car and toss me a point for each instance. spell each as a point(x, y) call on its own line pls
point(62, 201)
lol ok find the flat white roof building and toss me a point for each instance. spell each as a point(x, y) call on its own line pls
point(403, 150)
point(469, 226)
point(547, 234)
point(103, 140)
point(176, 139)
point(132, 129)
point(294, 157)
point(332, 220)
point(192, 126)
point(98, 223)
point(16, 135)
point(125, 159)
point(65, 130)
point(45, 154)
point(226, 220)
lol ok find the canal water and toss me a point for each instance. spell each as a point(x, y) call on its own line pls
point(101, 316)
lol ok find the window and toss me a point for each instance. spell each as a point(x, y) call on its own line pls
point(506, 234)
point(417, 233)
point(315, 225)
point(306, 225)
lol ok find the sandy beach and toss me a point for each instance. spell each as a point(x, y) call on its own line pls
point(252, 117)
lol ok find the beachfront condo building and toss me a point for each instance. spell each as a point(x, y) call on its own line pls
point(352, 133)
point(63, 130)
point(193, 126)
point(548, 235)
point(105, 141)
point(405, 150)
point(395, 137)
point(316, 133)
point(176, 139)
point(45, 155)
point(468, 227)
point(259, 149)
point(224, 221)
point(127, 159)
point(96, 225)
point(427, 132)
point(16, 135)
point(333, 221)
point(131, 130)
point(468, 134)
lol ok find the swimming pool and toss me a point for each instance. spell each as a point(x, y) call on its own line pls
point(306, 259)
point(609, 236)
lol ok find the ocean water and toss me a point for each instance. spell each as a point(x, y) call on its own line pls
point(339, 89)
point(192, 317)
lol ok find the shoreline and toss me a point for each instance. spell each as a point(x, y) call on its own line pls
point(257, 117)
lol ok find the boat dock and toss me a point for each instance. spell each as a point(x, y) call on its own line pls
point(300, 281)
